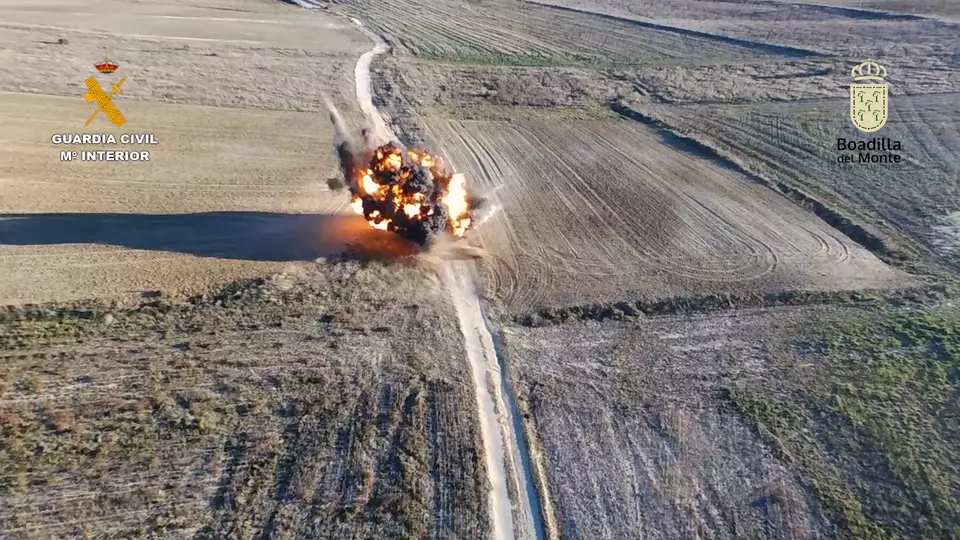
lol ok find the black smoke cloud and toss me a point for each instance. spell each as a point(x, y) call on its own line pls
point(401, 186)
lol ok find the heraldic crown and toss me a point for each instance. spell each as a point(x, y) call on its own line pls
point(868, 70)
point(106, 66)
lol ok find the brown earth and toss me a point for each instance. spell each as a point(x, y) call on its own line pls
point(849, 33)
point(320, 404)
point(463, 88)
point(680, 51)
point(949, 10)
point(498, 123)
point(813, 422)
point(226, 193)
point(629, 426)
point(495, 32)
point(248, 53)
point(905, 204)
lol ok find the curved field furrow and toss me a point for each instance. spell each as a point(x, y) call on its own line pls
point(461, 30)
point(604, 210)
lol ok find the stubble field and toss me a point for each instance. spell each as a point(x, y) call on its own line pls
point(227, 193)
point(778, 423)
point(948, 10)
point(334, 401)
point(612, 210)
point(328, 403)
point(819, 28)
point(529, 34)
point(741, 424)
point(676, 462)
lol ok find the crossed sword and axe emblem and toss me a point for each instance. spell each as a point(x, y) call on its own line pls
point(104, 101)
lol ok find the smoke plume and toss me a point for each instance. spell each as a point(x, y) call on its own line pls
point(407, 191)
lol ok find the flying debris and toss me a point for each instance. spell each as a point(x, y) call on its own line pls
point(407, 191)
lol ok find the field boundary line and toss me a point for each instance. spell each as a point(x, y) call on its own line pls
point(915, 294)
point(771, 48)
point(497, 412)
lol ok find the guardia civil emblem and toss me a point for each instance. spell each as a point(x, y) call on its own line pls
point(868, 99)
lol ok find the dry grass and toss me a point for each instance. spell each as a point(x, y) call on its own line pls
point(796, 422)
point(636, 436)
point(876, 432)
point(326, 405)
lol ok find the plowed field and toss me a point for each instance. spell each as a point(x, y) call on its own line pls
point(907, 41)
point(292, 408)
point(219, 199)
point(602, 211)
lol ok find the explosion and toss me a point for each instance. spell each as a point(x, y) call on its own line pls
point(409, 192)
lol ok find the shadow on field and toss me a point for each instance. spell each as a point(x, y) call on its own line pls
point(254, 236)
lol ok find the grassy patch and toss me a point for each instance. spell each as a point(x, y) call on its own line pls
point(877, 435)
point(703, 303)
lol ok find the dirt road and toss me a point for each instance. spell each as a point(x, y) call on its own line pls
point(497, 411)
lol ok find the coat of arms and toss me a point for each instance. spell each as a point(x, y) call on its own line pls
point(868, 99)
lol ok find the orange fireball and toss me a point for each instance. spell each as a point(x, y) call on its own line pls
point(409, 192)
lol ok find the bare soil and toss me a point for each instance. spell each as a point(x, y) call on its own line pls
point(796, 144)
point(248, 54)
point(784, 423)
point(333, 400)
point(671, 427)
point(855, 34)
point(494, 32)
point(227, 193)
point(938, 8)
point(463, 89)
